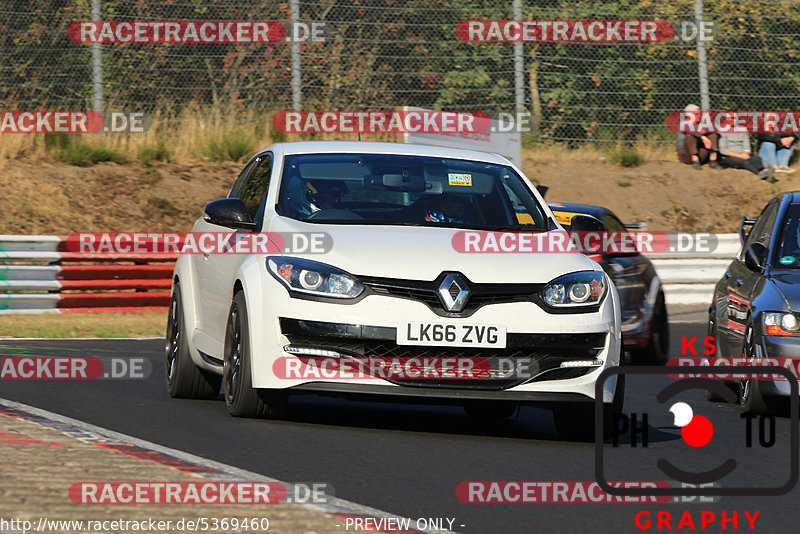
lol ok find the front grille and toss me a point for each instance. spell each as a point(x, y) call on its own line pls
point(544, 351)
point(427, 292)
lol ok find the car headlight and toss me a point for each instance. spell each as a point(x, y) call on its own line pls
point(314, 278)
point(781, 324)
point(575, 290)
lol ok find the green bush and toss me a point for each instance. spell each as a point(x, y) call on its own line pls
point(54, 141)
point(157, 152)
point(275, 135)
point(628, 157)
point(233, 146)
point(73, 151)
point(163, 204)
point(85, 155)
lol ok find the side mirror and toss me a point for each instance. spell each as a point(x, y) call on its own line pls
point(229, 212)
point(585, 223)
point(754, 257)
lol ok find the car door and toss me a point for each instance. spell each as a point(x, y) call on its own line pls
point(219, 270)
point(741, 282)
point(199, 261)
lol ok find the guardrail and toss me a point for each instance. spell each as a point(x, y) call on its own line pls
point(689, 277)
point(38, 274)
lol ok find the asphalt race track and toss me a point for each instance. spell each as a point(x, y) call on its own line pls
point(409, 459)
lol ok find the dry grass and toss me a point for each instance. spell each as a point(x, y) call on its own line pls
point(107, 325)
point(187, 136)
point(647, 148)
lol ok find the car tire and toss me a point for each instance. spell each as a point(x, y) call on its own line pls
point(184, 379)
point(576, 421)
point(751, 399)
point(657, 350)
point(241, 399)
point(714, 397)
point(490, 410)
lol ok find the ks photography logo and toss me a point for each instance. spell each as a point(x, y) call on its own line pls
point(716, 448)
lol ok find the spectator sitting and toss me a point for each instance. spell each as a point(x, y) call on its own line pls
point(698, 147)
point(734, 149)
point(775, 149)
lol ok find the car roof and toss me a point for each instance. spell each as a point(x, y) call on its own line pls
point(594, 211)
point(316, 147)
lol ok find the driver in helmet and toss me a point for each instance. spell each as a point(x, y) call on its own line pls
point(451, 207)
point(311, 196)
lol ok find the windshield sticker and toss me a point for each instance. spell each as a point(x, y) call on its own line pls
point(524, 218)
point(458, 178)
point(787, 260)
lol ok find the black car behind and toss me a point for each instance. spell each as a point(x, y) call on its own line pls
point(645, 327)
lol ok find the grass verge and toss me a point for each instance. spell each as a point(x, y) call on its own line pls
point(53, 325)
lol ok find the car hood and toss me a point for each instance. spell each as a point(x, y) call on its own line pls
point(423, 253)
point(788, 283)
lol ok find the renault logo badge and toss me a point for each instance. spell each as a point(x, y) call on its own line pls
point(453, 293)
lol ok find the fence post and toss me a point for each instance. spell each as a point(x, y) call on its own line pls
point(294, 6)
point(702, 63)
point(97, 62)
point(519, 67)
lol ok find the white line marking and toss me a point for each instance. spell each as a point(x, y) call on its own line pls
point(80, 338)
point(334, 505)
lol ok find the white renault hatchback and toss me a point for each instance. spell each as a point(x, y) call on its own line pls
point(368, 291)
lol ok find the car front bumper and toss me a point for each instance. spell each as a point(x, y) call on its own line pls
point(367, 328)
point(785, 351)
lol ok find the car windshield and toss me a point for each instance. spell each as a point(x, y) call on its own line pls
point(407, 190)
point(788, 256)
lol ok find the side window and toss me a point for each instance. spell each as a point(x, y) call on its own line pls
point(256, 185)
point(762, 229)
point(239, 183)
point(522, 213)
point(611, 223)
